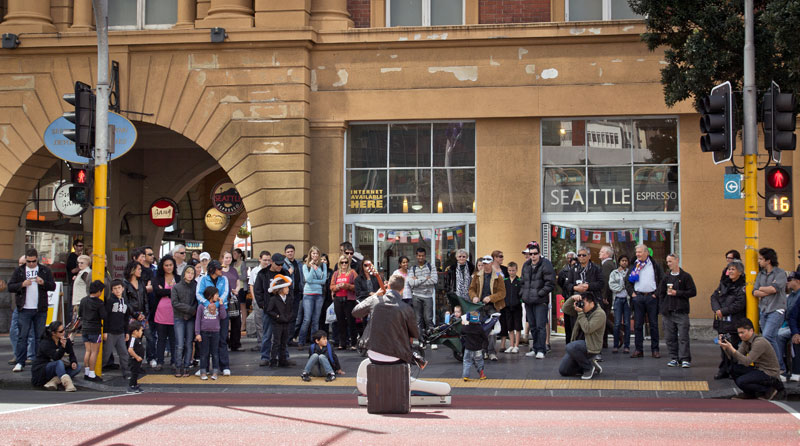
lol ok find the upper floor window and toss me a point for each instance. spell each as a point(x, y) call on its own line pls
point(424, 12)
point(584, 10)
point(142, 14)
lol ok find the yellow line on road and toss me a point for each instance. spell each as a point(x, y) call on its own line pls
point(543, 384)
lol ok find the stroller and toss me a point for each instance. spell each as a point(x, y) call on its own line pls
point(449, 335)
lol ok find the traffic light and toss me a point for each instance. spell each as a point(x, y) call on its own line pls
point(716, 122)
point(779, 119)
point(81, 190)
point(778, 191)
point(83, 117)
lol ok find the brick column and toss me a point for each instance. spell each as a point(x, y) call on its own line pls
point(187, 13)
point(82, 15)
point(25, 16)
point(228, 14)
point(330, 15)
point(327, 164)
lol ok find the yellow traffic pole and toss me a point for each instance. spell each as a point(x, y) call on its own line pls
point(99, 239)
point(751, 234)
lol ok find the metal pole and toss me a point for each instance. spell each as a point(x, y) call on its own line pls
point(750, 151)
point(100, 154)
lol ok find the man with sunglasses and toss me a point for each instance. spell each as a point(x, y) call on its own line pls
point(538, 281)
point(586, 278)
point(641, 283)
point(30, 283)
point(179, 254)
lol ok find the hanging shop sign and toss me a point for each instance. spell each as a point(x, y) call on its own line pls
point(366, 199)
point(226, 198)
point(216, 220)
point(63, 203)
point(162, 212)
point(124, 138)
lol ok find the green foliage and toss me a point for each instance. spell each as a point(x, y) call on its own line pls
point(703, 44)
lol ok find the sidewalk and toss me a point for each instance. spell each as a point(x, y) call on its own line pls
point(513, 374)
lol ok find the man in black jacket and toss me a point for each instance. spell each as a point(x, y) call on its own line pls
point(30, 283)
point(641, 283)
point(607, 265)
point(728, 302)
point(538, 281)
point(675, 290)
point(262, 296)
point(561, 279)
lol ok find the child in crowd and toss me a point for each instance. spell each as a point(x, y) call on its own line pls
point(136, 352)
point(92, 311)
point(473, 337)
point(206, 325)
point(513, 308)
point(115, 325)
point(279, 309)
point(321, 359)
point(457, 312)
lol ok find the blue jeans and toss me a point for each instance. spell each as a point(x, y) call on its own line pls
point(29, 321)
point(266, 336)
point(576, 361)
point(537, 317)
point(184, 335)
point(57, 368)
point(13, 334)
point(224, 361)
point(317, 364)
point(622, 323)
point(472, 357)
point(645, 304)
point(784, 335)
point(312, 307)
point(209, 345)
point(770, 324)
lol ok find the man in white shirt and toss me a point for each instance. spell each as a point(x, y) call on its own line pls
point(641, 282)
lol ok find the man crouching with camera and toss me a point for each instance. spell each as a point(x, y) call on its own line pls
point(587, 336)
point(761, 379)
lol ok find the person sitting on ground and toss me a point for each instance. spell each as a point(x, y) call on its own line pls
point(92, 312)
point(473, 337)
point(587, 337)
point(322, 361)
point(760, 378)
point(48, 369)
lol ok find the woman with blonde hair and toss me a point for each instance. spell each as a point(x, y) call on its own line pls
point(344, 300)
point(80, 288)
point(315, 275)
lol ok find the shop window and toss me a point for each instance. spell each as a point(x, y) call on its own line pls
point(411, 168)
point(625, 165)
point(424, 12)
point(587, 10)
point(142, 14)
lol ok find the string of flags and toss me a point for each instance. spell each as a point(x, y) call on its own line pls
point(626, 235)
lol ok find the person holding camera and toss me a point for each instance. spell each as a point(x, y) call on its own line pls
point(586, 279)
point(761, 378)
point(587, 337)
point(728, 302)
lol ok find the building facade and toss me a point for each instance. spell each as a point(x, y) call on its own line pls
point(475, 124)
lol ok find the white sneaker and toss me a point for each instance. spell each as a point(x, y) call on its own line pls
point(153, 363)
point(17, 368)
point(492, 357)
point(197, 373)
point(515, 350)
point(509, 350)
point(795, 377)
point(783, 378)
point(226, 372)
point(434, 347)
point(530, 354)
point(540, 355)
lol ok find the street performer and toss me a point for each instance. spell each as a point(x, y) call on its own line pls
point(398, 328)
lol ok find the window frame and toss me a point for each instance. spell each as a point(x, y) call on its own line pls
point(606, 12)
point(141, 9)
point(426, 14)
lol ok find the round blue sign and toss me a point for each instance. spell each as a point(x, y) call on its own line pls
point(55, 141)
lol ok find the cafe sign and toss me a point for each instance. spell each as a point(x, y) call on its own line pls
point(162, 212)
point(216, 220)
point(366, 199)
point(226, 198)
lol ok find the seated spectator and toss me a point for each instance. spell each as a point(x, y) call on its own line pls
point(322, 361)
point(48, 369)
point(587, 335)
point(761, 378)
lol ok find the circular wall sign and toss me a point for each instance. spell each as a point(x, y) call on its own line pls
point(216, 220)
point(226, 198)
point(162, 212)
point(64, 204)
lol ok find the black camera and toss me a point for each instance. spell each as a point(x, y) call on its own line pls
point(580, 303)
point(725, 337)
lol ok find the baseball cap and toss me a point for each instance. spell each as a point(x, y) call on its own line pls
point(213, 266)
point(793, 276)
point(205, 256)
point(487, 259)
point(278, 258)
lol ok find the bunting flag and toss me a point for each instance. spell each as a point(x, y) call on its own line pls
point(621, 236)
point(584, 235)
point(460, 232)
point(426, 235)
point(555, 231)
point(563, 233)
point(660, 236)
point(597, 236)
point(414, 236)
point(572, 234)
point(381, 236)
point(449, 235)
point(403, 237)
point(392, 235)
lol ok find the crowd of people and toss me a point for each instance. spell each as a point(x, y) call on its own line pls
point(197, 308)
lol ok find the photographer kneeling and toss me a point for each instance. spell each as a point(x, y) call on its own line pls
point(762, 378)
point(587, 335)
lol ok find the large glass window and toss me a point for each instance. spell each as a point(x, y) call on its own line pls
point(610, 165)
point(585, 10)
point(424, 12)
point(142, 14)
point(411, 168)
